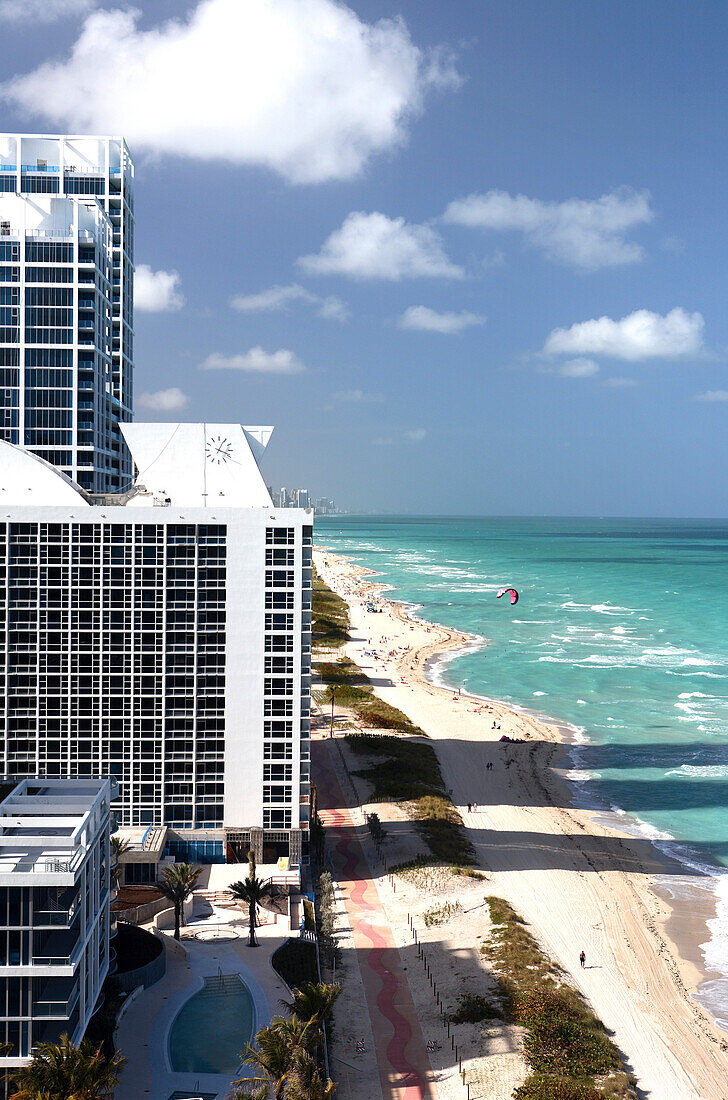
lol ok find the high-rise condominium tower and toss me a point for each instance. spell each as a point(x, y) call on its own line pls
point(66, 302)
point(163, 638)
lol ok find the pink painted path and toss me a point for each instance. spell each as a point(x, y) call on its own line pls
point(404, 1070)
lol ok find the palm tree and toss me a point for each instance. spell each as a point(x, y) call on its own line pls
point(62, 1071)
point(250, 1088)
point(177, 883)
point(276, 1046)
point(305, 1081)
point(119, 845)
point(251, 892)
point(314, 1001)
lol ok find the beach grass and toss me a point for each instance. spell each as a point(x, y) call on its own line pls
point(567, 1048)
point(352, 690)
point(407, 771)
point(330, 616)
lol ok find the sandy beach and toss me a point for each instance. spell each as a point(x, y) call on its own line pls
point(579, 883)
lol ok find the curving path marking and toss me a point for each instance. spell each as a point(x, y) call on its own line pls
point(403, 1068)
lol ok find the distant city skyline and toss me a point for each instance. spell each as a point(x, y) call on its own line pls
point(494, 287)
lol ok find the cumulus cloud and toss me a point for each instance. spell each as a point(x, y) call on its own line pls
point(43, 11)
point(415, 435)
point(578, 368)
point(163, 400)
point(640, 335)
point(373, 246)
point(304, 87)
point(279, 297)
point(256, 361)
point(586, 233)
point(711, 396)
point(156, 291)
point(424, 319)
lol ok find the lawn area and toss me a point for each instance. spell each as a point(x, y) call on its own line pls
point(295, 961)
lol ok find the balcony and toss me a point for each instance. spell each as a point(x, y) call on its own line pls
point(60, 1009)
point(56, 917)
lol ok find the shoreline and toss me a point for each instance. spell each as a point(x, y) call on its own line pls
point(678, 925)
point(686, 940)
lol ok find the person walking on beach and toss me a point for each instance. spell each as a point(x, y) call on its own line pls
point(470, 807)
point(582, 959)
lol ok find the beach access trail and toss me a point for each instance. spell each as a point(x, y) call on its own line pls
point(398, 1044)
point(579, 884)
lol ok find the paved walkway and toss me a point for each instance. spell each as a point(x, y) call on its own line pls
point(404, 1070)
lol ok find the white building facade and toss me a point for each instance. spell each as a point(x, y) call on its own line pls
point(54, 911)
point(164, 642)
point(66, 302)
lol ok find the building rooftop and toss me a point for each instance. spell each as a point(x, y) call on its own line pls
point(48, 825)
point(178, 465)
point(27, 479)
point(199, 465)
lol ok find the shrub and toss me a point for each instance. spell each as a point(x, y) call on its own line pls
point(295, 961)
point(439, 914)
point(472, 1009)
point(540, 1087)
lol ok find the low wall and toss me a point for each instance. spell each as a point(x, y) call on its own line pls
point(164, 918)
point(142, 913)
point(144, 975)
point(152, 970)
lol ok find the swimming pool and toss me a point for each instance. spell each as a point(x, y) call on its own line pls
point(212, 1028)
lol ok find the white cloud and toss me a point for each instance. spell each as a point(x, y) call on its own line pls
point(640, 335)
point(578, 368)
point(416, 435)
point(333, 309)
point(279, 297)
point(304, 87)
point(256, 361)
point(424, 319)
point(357, 397)
point(163, 400)
point(587, 233)
point(620, 383)
point(373, 246)
point(43, 11)
point(276, 297)
point(156, 291)
point(712, 396)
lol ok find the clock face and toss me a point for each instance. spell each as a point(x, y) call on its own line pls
point(218, 450)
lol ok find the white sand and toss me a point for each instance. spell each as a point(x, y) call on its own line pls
point(577, 883)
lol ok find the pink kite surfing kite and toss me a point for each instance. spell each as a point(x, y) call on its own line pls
point(511, 592)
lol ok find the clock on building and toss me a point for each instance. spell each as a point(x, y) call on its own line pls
point(218, 449)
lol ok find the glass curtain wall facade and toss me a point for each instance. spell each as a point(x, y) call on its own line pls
point(66, 303)
point(119, 629)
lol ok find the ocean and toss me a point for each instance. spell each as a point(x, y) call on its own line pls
point(619, 633)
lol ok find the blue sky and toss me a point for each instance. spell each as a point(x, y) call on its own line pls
point(467, 256)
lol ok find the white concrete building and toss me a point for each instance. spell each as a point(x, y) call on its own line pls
point(54, 910)
point(163, 640)
point(66, 302)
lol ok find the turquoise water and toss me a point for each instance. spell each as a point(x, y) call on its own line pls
point(212, 1028)
point(620, 631)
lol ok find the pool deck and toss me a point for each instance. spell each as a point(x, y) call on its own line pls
point(212, 944)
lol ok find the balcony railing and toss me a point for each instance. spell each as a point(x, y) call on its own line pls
point(62, 1009)
point(55, 916)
